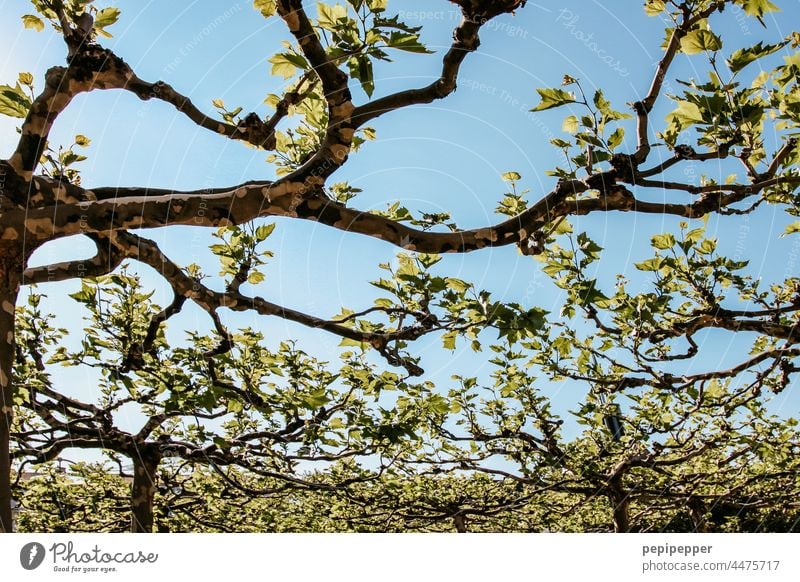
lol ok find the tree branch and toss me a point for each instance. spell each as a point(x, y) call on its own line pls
point(465, 41)
point(106, 260)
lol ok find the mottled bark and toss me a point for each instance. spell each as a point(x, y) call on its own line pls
point(10, 269)
point(143, 488)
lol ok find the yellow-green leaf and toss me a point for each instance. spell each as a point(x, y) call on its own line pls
point(328, 16)
point(570, 124)
point(553, 98)
point(654, 7)
point(103, 18)
point(266, 7)
point(700, 40)
point(13, 101)
point(255, 277)
point(263, 231)
point(792, 228)
point(34, 22)
point(759, 8)
point(663, 241)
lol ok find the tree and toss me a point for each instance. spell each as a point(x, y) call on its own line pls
point(228, 403)
point(736, 118)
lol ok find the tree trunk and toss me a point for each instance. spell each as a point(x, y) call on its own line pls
point(620, 505)
point(697, 511)
point(621, 519)
point(10, 269)
point(145, 465)
point(460, 523)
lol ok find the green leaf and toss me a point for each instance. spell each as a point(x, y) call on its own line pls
point(615, 139)
point(663, 241)
point(695, 234)
point(103, 18)
point(700, 40)
point(266, 7)
point(707, 247)
point(316, 399)
point(13, 101)
point(361, 69)
point(285, 64)
point(743, 57)
point(82, 140)
point(349, 343)
point(263, 231)
point(570, 124)
point(34, 22)
point(653, 264)
point(69, 157)
point(384, 303)
point(553, 98)
point(792, 228)
point(26, 79)
point(589, 138)
point(654, 7)
point(457, 285)
point(511, 177)
point(85, 295)
point(407, 42)
point(603, 105)
point(758, 8)
point(255, 277)
point(328, 16)
point(687, 113)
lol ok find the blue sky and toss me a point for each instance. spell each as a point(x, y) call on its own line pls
point(445, 156)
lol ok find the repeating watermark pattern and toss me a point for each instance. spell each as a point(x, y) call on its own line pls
point(511, 30)
point(65, 557)
point(569, 20)
point(202, 34)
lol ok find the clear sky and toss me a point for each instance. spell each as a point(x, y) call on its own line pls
point(447, 156)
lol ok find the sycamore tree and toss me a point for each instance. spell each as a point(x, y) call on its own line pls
point(227, 402)
point(735, 126)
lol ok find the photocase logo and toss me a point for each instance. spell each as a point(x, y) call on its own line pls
point(31, 555)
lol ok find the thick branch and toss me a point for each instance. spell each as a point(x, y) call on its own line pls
point(335, 148)
point(105, 261)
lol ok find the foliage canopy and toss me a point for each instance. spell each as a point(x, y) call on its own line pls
point(233, 433)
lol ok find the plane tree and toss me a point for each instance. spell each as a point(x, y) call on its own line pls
point(663, 442)
point(738, 118)
point(227, 402)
